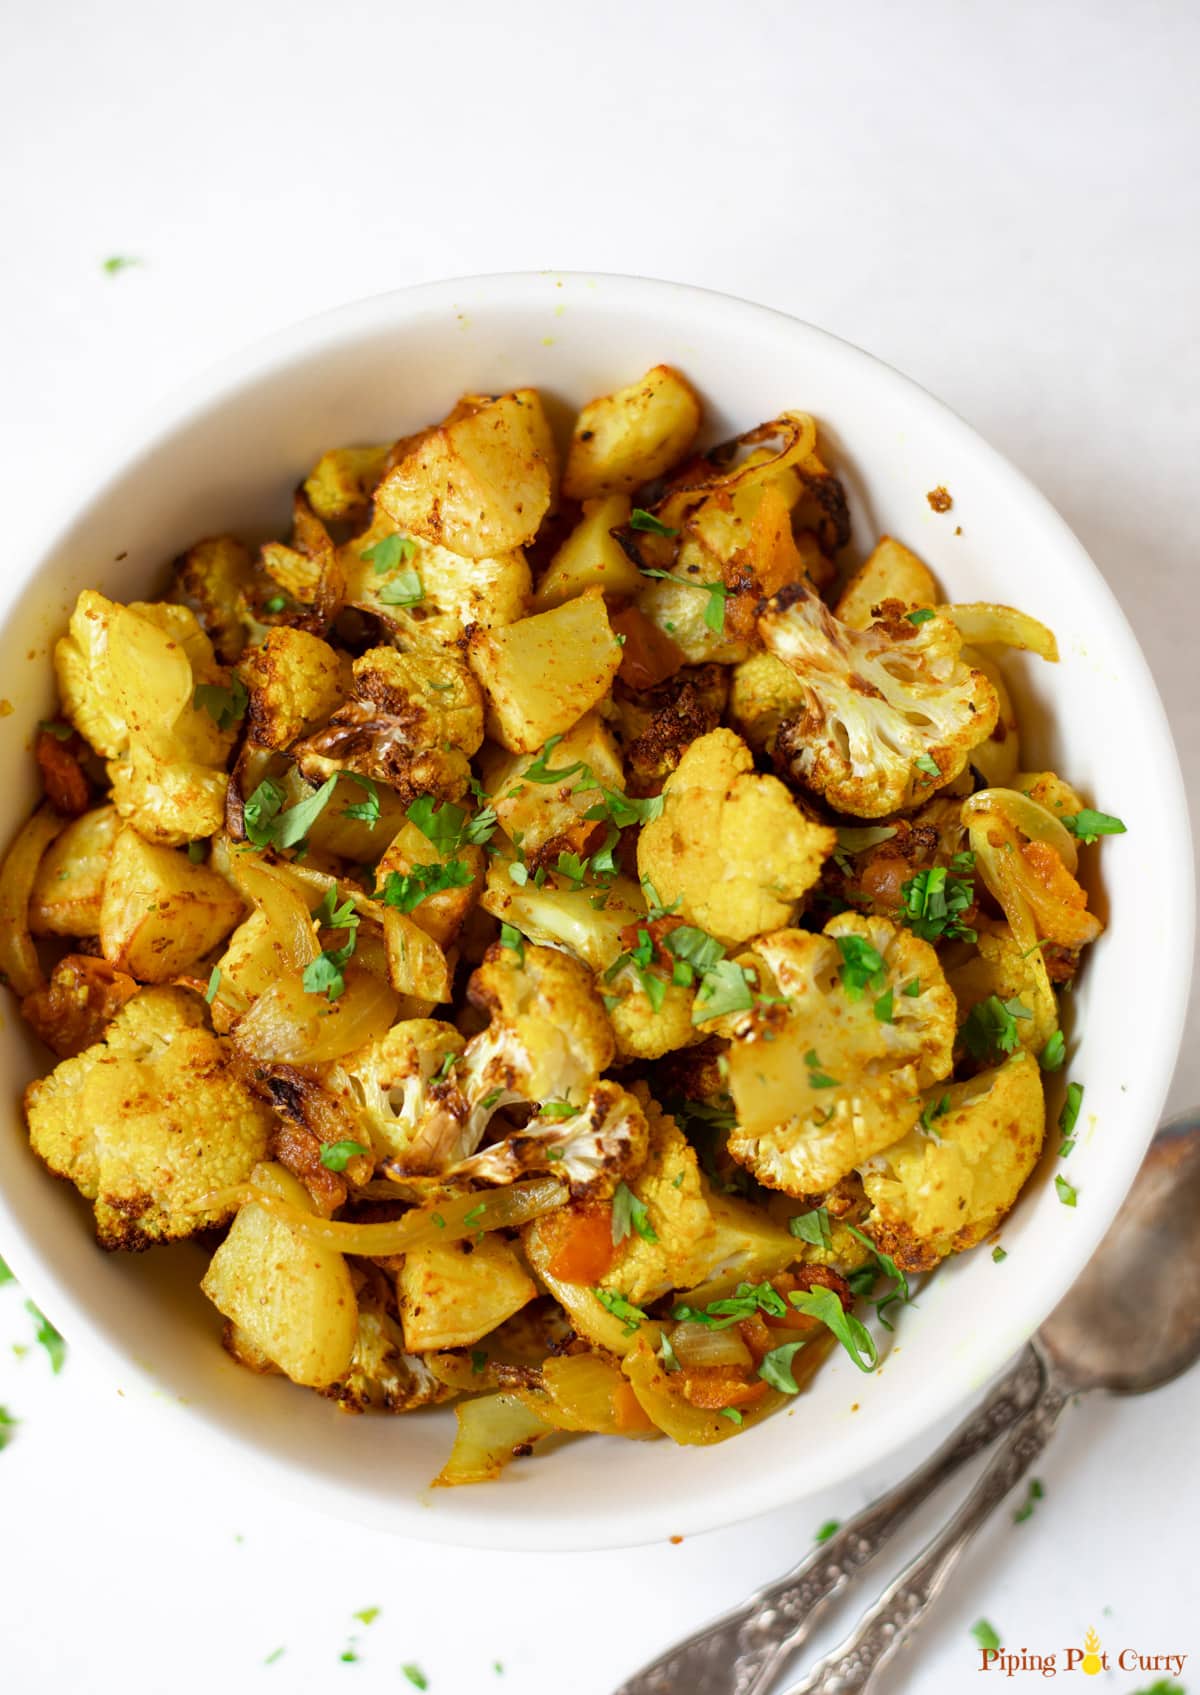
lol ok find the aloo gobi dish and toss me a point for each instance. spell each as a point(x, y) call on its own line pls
point(565, 944)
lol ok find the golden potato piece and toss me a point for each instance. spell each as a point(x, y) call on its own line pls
point(160, 913)
point(291, 1297)
point(70, 880)
point(542, 674)
point(479, 486)
point(537, 814)
point(624, 439)
point(416, 964)
point(893, 572)
point(452, 1294)
point(441, 915)
point(591, 556)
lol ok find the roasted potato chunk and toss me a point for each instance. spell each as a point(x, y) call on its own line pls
point(160, 913)
point(452, 1294)
point(591, 557)
point(626, 438)
point(544, 673)
point(893, 572)
point(290, 1296)
point(342, 481)
point(478, 486)
point(70, 880)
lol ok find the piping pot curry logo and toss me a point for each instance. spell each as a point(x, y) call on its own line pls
point(1091, 1658)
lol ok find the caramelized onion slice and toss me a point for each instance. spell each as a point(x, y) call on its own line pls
point(18, 956)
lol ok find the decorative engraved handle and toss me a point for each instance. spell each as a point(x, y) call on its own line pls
point(850, 1669)
point(740, 1653)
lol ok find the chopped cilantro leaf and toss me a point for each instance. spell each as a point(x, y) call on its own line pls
point(475, 1214)
point(366, 811)
point(214, 983)
point(195, 852)
point(404, 589)
point(405, 890)
point(510, 938)
point(292, 825)
point(621, 1308)
point(6, 1275)
point(818, 1079)
point(479, 1361)
point(667, 1354)
point(921, 616)
point(775, 1367)
point(389, 552)
point(629, 1214)
point(1067, 1193)
point(733, 1414)
point(275, 604)
point(883, 1008)
point(746, 1300)
point(862, 965)
point(828, 1529)
point(336, 1156)
point(825, 1305)
point(1068, 1118)
point(541, 772)
point(695, 947)
point(725, 989)
point(985, 1635)
point(366, 1615)
point(1088, 825)
point(990, 1028)
point(932, 901)
point(46, 1336)
point(1053, 1055)
point(448, 826)
point(1035, 1493)
point(118, 263)
point(717, 592)
point(812, 1227)
point(226, 707)
point(52, 727)
point(7, 1425)
point(926, 763)
point(999, 1255)
point(640, 519)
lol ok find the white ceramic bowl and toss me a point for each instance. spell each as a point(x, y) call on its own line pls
point(226, 455)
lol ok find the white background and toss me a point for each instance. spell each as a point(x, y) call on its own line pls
point(1000, 200)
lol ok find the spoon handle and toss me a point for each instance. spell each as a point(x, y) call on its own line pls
point(740, 1653)
point(851, 1668)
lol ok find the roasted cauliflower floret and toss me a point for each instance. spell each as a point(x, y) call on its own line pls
point(412, 722)
point(128, 677)
point(382, 1376)
point(343, 480)
point(149, 1122)
point(732, 847)
point(559, 913)
point(628, 437)
point(891, 712)
point(590, 1148)
point(295, 682)
point(455, 593)
point(213, 578)
point(763, 694)
point(827, 1078)
point(658, 725)
point(997, 967)
point(938, 1191)
point(549, 1038)
point(394, 1093)
point(643, 1029)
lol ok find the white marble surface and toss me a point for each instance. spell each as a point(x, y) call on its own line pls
point(1002, 202)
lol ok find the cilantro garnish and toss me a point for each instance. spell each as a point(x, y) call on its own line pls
point(828, 1529)
point(991, 1027)
point(448, 826)
point(725, 989)
point(985, 1635)
point(1035, 1493)
point(366, 811)
point(259, 811)
point(475, 1214)
point(624, 810)
point(629, 1214)
point(932, 1110)
point(389, 552)
point(46, 1336)
point(1088, 825)
point(226, 706)
point(404, 589)
point(366, 1615)
point(1067, 1193)
point(336, 1156)
point(932, 901)
point(921, 616)
point(1068, 1118)
point(557, 1109)
point(267, 825)
point(776, 1367)
point(275, 604)
point(6, 1275)
point(999, 1255)
point(324, 974)
point(694, 947)
point(714, 610)
point(405, 890)
point(898, 1289)
point(574, 869)
point(415, 1676)
point(214, 983)
point(818, 1079)
point(621, 1308)
point(746, 1300)
point(926, 763)
point(540, 772)
point(640, 519)
point(667, 1354)
point(7, 1425)
point(884, 1007)
point(1053, 1055)
point(733, 1414)
point(52, 727)
point(479, 1361)
point(195, 852)
point(862, 966)
point(118, 263)
point(813, 1228)
point(823, 1304)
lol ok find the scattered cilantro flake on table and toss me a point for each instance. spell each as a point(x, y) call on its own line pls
point(985, 1635)
point(1035, 1493)
point(415, 1676)
point(828, 1529)
point(276, 1654)
point(6, 1275)
point(1067, 1193)
point(48, 1337)
point(7, 1425)
point(119, 262)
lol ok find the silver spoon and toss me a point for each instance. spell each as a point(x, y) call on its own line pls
point(1130, 1324)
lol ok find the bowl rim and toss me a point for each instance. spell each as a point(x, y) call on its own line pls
point(499, 1525)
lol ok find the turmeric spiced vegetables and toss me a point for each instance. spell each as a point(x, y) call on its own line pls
point(564, 940)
